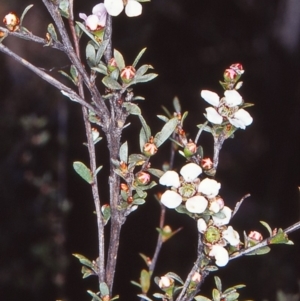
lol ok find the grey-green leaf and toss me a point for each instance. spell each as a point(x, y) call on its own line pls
point(83, 171)
point(138, 57)
point(166, 132)
point(124, 152)
point(101, 50)
point(119, 59)
point(104, 290)
point(218, 283)
point(201, 298)
point(51, 30)
point(132, 108)
point(27, 8)
point(145, 78)
point(145, 127)
point(111, 83)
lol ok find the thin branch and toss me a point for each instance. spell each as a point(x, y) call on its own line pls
point(263, 243)
point(218, 143)
point(31, 37)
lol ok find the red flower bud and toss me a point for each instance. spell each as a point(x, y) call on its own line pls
point(112, 65)
point(127, 74)
point(230, 75)
point(11, 21)
point(238, 68)
point(206, 163)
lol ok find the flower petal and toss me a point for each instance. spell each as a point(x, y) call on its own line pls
point(232, 98)
point(220, 254)
point(171, 199)
point(170, 178)
point(231, 236)
point(133, 8)
point(92, 22)
point(213, 116)
point(82, 16)
point(241, 119)
point(211, 97)
point(114, 7)
point(223, 221)
point(100, 11)
point(209, 187)
point(190, 171)
point(201, 225)
point(196, 204)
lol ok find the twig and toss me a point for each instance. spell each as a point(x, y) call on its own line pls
point(218, 143)
point(264, 242)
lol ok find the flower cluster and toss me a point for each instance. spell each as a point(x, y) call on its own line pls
point(115, 7)
point(230, 107)
point(97, 20)
point(200, 198)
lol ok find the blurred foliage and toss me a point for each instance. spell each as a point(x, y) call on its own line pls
point(189, 44)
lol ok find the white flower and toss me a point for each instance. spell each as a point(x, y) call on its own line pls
point(241, 119)
point(232, 98)
point(115, 7)
point(201, 225)
point(171, 199)
point(209, 187)
point(223, 221)
point(97, 20)
point(220, 254)
point(227, 107)
point(196, 204)
point(170, 178)
point(190, 171)
point(231, 236)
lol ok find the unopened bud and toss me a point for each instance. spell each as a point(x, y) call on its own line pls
point(150, 148)
point(11, 21)
point(124, 187)
point(143, 178)
point(127, 74)
point(112, 65)
point(206, 163)
point(165, 282)
point(196, 277)
point(238, 68)
point(129, 200)
point(95, 134)
point(230, 75)
point(190, 149)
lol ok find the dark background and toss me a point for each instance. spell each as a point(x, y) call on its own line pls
point(190, 43)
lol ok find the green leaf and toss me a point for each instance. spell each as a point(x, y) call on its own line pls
point(139, 194)
point(137, 159)
point(166, 132)
point(104, 290)
point(145, 281)
point(163, 118)
point(95, 296)
point(132, 108)
point(201, 298)
point(142, 139)
point(175, 277)
point(111, 83)
point(145, 258)
point(138, 202)
point(156, 172)
point(232, 297)
point(90, 54)
point(266, 225)
point(119, 59)
point(218, 283)
point(101, 50)
point(145, 78)
point(216, 295)
point(145, 127)
point(83, 260)
point(142, 70)
point(101, 68)
point(123, 153)
point(105, 209)
point(135, 283)
point(138, 57)
point(176, 104)
point(74, 74)
point(260, 251)
point(67, 76)
point(158, 295)
point(84, 29)
point(83, 171)
point(64, 8)
point(52, 32)
point(86, 272)
point(27, 8)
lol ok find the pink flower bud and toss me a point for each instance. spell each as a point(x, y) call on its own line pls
point(150, 148)
point(206, 163)
point(196, 277)
point(255, 236)
point(238, 68)
point(112, 65)
point(11, 21)
point(127, 74)
point(143, 178)
point(230, 75)
point(190, 149)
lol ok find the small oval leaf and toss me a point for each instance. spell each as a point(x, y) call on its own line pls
point(83, 171)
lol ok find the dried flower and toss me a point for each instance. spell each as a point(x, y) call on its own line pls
point(11, 21)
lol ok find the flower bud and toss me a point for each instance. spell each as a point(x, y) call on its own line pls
point(255, 236)
point(230, 75)
point(206, 164)
point(190, 149)
point(11, 21)
point(95, 134)
point(143, 178)
point(112, 65)
point(165, 282)
point(238, 68)
point(150, 148)
point(127, 74)
point(129, 200)
point(123, 166)
point(196, 277)
point(124, 187)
